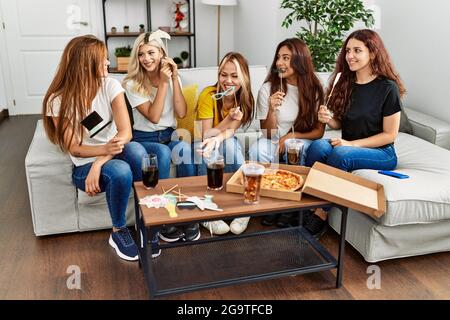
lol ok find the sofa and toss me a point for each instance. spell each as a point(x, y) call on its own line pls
point(58, 207)
point(417, 220)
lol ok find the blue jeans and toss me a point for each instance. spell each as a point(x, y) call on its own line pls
point(231, 151)
point(168, 148)
point(351, 158)
point(116, 178)
point(264, 150)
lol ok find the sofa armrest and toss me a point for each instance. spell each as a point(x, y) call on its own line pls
point(429, 128)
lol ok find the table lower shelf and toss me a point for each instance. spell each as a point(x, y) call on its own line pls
point(230, 261)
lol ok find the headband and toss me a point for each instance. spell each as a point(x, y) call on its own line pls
point(157, 36)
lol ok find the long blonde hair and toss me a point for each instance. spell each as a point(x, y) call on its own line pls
point(76, 83)
point(244, 95)
point(136, 72)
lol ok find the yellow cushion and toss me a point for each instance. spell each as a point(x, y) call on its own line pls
point(185, 126)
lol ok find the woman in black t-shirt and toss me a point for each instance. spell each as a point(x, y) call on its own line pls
point(365, 105)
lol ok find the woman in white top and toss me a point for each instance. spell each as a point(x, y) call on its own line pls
point(86, 115)
point(153, 89)
point(287, 106)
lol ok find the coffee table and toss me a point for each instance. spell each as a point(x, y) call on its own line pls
point(232, 259)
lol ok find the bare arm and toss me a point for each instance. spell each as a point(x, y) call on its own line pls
point(121, 118)
point(153, 111)
point(271, 122)
point(179, 103)
point(391, 125)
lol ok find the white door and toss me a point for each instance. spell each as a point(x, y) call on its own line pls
point(36, 33)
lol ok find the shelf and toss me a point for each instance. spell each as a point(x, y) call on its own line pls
point(114, 70)
point(123, 34)
point(258, 256)
point(181, 34)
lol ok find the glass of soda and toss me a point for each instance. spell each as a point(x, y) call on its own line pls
point(214, 172)
point(150, 171)
point(252, 182)
point(294, 151)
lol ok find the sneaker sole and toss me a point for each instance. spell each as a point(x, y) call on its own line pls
point(195, 239)
point(168, 239)
point(120, 254)
point(156, 255)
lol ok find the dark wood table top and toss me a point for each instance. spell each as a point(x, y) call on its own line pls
point(231, 203)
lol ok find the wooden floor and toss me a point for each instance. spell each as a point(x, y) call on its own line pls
point(36, 268)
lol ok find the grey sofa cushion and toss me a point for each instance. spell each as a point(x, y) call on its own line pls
point(405, 124)
point(429, 128)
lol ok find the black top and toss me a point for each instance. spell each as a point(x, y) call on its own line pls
point(370, 102)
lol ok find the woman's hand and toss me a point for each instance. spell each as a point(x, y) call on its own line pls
point(276, 100)
point(169, 62)
point(338, 142)
point(165, 72)
point(208, 145)
point(114, 146)
point(282, 142)
point(324, 115)
point(92, 182)
point(236, 114)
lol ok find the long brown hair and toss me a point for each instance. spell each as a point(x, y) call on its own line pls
point(244, 95)
point(381, 66)
point(76, 83)
point(310, 90)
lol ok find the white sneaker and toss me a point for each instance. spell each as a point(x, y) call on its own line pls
point(238, 225)
point(216, 227)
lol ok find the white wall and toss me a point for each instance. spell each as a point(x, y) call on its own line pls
point(258, 31)
point(417, 35)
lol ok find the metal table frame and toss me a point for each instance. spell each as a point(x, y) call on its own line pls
point(146, 262)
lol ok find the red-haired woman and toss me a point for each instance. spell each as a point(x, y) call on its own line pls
point(287, 106)
point(104, 158)
point(366, 106)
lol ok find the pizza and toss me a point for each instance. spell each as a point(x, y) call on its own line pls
point(280, 179)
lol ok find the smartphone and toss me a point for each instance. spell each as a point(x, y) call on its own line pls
point(94, 123)
point(394, 174)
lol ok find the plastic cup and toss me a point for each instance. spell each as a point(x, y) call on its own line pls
point(294, 151)
point(252, 182)
point(214, 172)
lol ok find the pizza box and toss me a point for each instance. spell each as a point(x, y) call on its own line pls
point(235, 183)
point(346, 189)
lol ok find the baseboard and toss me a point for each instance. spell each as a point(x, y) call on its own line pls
point(3, 114)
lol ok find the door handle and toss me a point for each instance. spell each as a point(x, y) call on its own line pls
point(84, 23)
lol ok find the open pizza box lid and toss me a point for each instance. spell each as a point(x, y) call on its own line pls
point(345, 189)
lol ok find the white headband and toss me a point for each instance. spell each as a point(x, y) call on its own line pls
point(157, 36)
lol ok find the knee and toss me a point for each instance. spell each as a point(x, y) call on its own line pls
point(136, 150)
point(119, 173)
point(339, 158)
point(318, 150)
point(260, 151)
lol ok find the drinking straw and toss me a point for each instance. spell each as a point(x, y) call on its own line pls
point(170, 189)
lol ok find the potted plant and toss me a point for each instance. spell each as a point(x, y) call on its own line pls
point(141, 28)
point(122, 57)
point(327, 22)
point(126, 29)
point(113, 29)
point(184, 57)
point(178, 61)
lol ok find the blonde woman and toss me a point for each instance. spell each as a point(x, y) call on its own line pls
point(153, 89)
point(104, 159)
point(222, 108)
